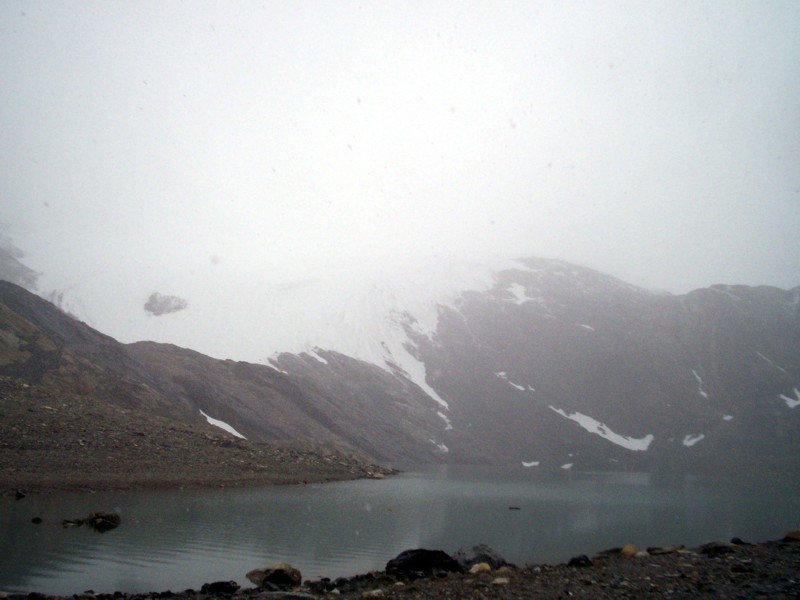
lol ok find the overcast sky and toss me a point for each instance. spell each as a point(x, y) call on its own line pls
point(656, 141)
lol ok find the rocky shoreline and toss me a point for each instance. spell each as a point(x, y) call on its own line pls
point(51, 440)
point(735, 569)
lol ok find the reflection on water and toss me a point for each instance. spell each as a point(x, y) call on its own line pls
point(181, 539)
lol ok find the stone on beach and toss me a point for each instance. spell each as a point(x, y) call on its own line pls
point(480, 568)
point(282, 576)
point(220, 587)
point(467, 557)
point(422, 561)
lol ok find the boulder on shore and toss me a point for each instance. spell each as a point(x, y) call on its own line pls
point(422, 561)
point(282, 576)
point(220, 587)
point(468, 557)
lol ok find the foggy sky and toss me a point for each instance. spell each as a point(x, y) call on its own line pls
point(656, 141)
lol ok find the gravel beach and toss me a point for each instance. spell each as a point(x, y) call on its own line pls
point(714, 570)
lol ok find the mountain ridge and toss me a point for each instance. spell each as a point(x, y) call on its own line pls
point(552, 366)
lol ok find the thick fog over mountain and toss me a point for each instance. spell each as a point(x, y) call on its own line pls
point(211, 161)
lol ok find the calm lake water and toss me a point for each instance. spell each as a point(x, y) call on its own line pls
point(182, 539)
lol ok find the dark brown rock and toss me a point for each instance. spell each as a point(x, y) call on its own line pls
point(220, 587)
point(424, 561)
point(282, 576)
point(580, 561)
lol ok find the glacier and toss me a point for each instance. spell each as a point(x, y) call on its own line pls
point(374, 313)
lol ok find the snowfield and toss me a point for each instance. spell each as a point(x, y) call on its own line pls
point(371, 313)
point(594, 426)
point(222, 425)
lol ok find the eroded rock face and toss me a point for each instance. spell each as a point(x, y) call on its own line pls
point(161, 304)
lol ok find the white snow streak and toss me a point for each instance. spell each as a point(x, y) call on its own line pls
point(589, 327)
point(446, 419)
point(222, 425)
point(567, 466)
point(313, 354)
point(502, 375)
point(727, 417)
point(593, 426)
point(533, 463)
point(691, 440)
point(700, 389)
point(792, 402)
point(441, 447)
point(771, 363)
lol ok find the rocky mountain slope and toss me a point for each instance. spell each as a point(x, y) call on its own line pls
point(558, 366)
point(78, 410)
point(545, 364)
point(562, 365)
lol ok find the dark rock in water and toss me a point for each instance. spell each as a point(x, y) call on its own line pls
point(103, 521)
point(422, 561)
point(220, 587)
point(72, 522)
point(479, 554)
point(36, 520)
point(717, 548)
point(282, 576)
point(580, 561)
point(99, 521)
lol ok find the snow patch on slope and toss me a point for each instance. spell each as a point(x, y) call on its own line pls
point(691, 440)
point(594, 426)
point(503, 375)
point(792, 402)
point(222, 425)
point(520, 294)
point(440, 446)
point(315, 355)
point(447, 424)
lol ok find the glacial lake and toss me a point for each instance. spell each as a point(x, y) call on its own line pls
point(180, 539)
